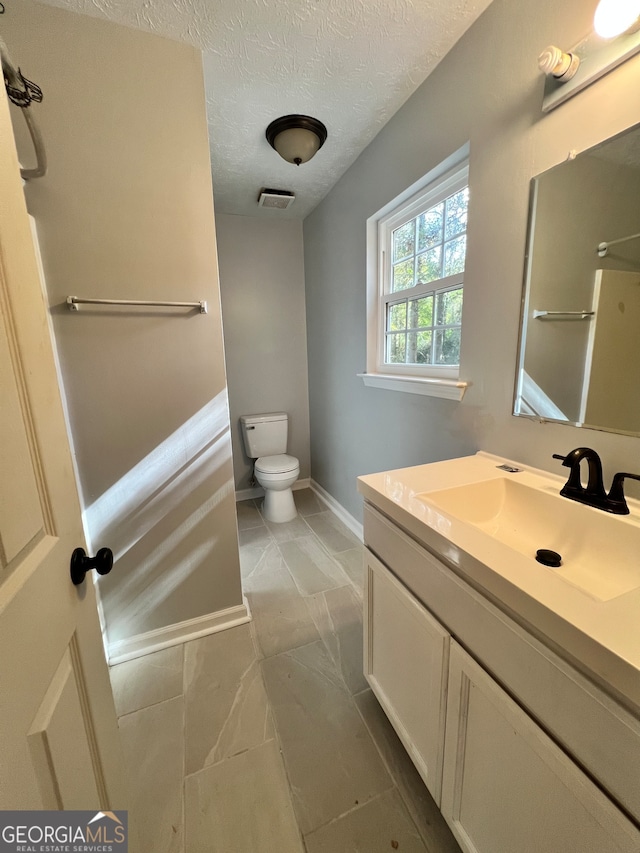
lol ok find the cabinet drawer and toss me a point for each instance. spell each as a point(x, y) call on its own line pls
point(507, 786)
point(601, 735)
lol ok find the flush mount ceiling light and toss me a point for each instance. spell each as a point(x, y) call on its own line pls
point(616, 38)
point(296, 138)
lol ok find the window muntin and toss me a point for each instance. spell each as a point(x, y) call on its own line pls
point(416, 333)
point(432, 245)
point(422, 248)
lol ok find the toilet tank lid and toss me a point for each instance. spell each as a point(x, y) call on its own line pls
point(263, 419)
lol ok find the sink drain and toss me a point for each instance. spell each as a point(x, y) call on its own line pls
point(549, 558)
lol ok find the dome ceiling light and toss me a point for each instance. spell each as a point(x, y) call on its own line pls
point(296, 138)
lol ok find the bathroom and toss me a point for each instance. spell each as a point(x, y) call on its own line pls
point(118, 373)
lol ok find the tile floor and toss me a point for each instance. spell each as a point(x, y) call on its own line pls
point(265, 738)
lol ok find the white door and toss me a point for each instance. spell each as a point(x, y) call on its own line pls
point(59, 746)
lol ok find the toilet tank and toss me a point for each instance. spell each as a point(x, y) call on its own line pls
point(265, 435)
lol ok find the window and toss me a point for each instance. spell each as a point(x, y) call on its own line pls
point(416, 270)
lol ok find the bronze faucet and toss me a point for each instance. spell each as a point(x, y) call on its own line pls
point(594, 494)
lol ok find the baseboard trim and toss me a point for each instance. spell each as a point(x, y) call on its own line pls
point(173, 635)
point(337, 509)
point(258, 491)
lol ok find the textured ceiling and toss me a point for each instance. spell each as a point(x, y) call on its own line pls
point(350, 63)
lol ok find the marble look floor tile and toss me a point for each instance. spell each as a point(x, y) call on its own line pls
point(153, 747)
point(307, 502)
point(266, 571)
point(281, 618)
point(330, 758)
point(379, 826)
point(425, 813)
point(257, 537)
point(332, 532)
point(253, 545)
point(242, 805)
point(248, 515)
point(312, 569)
point(147, 680)
point(226, 708)
point(337, 614)
point(288, 530)
point(352, 561)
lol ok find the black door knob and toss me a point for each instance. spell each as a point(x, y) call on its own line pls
point(81, 564)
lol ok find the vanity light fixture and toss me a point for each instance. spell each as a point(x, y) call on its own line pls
point(614, 17)
point(562, 66)
point(296, 138)
point(616, 38)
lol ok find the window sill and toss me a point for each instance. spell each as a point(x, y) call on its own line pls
point(449, 389)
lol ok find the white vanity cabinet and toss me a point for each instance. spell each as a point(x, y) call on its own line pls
point(507, 786)
point(406, 662)
point(520, 751)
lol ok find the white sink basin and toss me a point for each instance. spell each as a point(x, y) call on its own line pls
point(600, 552)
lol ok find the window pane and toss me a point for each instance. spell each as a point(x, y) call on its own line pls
point(396, 346)
point(426, 254)
point(449, 308)
point(456, 216)
point(419, 348)
point(397, 317)
point(429, 266)
point(421, 312)
point(403, 275)
point(404, 240)
point(454, 252)
point(430, 227)
point(447, 346)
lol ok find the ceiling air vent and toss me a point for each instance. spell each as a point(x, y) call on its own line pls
point(280, 199)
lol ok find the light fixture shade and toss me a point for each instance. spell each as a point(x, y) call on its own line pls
point(296, 138)
point(614, 17)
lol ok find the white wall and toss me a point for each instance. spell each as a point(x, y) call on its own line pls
point(126, 211)
point(263, 306)
point(486, 91)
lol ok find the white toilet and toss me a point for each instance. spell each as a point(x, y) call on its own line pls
point(265, 440)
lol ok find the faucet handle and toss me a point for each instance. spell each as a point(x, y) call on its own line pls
point(616, 493)
point(558, 456)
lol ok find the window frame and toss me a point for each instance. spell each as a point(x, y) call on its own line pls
point(437, 380)
point(437, 191)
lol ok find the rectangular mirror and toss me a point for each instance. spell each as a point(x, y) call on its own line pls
point(580, 326)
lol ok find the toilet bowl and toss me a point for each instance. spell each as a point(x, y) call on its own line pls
point(276, 474)
point(265, 439)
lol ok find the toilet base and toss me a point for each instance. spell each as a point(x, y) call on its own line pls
point(279, 506)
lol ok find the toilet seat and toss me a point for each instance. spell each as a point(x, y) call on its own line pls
point(281, 463)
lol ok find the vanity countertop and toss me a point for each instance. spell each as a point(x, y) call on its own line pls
point(600, 634)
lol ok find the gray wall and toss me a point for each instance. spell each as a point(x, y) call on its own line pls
point(263, 306)
point(126, 211)
point(487, 91)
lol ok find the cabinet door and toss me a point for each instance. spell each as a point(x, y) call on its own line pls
point(406, 661)
point(508, 788)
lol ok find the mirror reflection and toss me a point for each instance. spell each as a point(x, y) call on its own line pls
point(580, 334)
